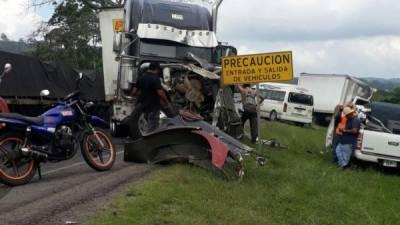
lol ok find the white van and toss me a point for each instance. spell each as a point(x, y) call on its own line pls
point(286, 102)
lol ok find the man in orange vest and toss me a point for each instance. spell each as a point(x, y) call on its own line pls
point(347, 133)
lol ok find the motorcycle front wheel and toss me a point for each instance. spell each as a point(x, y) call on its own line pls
point(98, 150)
point(15, 169)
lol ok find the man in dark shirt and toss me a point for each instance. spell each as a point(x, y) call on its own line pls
point(151, 97)
point(348, 140)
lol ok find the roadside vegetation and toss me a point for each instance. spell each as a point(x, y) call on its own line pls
point(299, 185)
point(392, 96)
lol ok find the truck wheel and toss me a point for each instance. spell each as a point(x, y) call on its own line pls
point(137, 123)
point(114, 129)
point(273, 116)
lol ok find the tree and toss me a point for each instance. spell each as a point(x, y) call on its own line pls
point(71, 35)
point(388, 96)
point(94, 4)
point(395, 98)
point(4, 37)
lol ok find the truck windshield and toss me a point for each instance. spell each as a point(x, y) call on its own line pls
point(302, 99)
point(204, 3)
point(273, 95)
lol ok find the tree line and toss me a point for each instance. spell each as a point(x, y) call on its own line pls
point(392, 96)
point(72, 34)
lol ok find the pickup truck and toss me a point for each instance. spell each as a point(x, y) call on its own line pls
point(378, 145)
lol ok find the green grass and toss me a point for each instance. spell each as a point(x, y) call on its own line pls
point(299, 185)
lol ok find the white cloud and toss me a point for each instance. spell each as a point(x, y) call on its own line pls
point(369, 56)
point(358, 37)
point(309, 19)
point(16, 21)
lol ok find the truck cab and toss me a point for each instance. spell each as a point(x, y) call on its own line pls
point(180, 35)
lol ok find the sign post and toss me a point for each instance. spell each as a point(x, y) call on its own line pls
point(255, 69)
point(258, 100)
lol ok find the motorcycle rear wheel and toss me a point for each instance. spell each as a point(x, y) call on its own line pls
point(15, 169)
point(94, 154)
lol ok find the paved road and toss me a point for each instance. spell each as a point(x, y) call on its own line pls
point(69, 191)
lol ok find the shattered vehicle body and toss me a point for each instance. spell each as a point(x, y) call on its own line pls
point(187, 138)
point(181, 36)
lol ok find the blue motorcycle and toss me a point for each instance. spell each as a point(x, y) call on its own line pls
point(26, 142)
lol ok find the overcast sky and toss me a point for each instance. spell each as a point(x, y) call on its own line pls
point(357, 37)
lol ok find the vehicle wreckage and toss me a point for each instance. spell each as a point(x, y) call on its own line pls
point(181, 36)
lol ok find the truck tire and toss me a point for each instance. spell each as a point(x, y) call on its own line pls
point(115, 129)
point(135, 121)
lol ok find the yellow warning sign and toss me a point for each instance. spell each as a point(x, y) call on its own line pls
point(118, 25)
point(258, 68)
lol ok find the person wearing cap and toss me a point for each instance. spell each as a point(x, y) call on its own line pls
point(348, 137)
point(151, 97)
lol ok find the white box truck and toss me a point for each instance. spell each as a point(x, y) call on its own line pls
point(330, 90)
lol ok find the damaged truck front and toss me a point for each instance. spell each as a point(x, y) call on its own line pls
point(181, 35)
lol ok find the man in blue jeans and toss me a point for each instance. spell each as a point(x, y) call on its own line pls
point(348, 140)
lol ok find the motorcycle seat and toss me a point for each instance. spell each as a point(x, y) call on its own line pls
point(32, 120)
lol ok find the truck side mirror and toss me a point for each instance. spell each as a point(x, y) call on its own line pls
point(223, 51)
point(230, 51)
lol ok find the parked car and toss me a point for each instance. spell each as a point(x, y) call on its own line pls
point(286, 102)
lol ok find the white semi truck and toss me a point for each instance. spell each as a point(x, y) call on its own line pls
point(181, 36)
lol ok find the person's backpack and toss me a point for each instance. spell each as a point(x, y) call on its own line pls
point(249, 103)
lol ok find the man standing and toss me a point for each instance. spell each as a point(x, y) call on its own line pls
point(347, 141)
point(249, 109)
point(151, 97)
